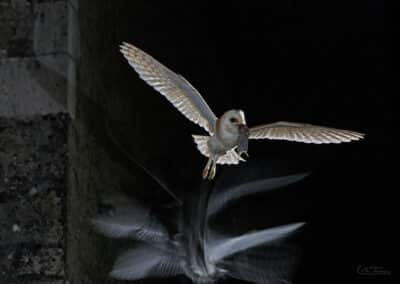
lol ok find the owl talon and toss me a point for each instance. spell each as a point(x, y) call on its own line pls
point(245, 154)
point(212, 171)
point(205, 173)
point(207, 169)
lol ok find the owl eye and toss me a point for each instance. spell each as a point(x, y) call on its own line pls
point(233, 120)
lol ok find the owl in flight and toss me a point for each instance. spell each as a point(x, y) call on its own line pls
point(228, 134)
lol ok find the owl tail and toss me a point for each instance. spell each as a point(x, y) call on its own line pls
point(230, 157)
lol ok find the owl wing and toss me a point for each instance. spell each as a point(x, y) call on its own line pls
point(221, 248)
point(229, 194)
point(301, 132)
point(272, 264)
point(132, 221)
point(172, 86)
point(145, 261)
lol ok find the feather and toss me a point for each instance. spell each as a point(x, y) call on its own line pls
point(224, 247)
point(230, 158)
point(301, 132)
point(222, 198)
point(171, 85)
point(145, 261)
point(274, 264)
point(131, 221)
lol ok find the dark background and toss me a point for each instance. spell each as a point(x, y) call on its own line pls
point(305, 61)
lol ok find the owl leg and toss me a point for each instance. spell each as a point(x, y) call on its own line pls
point(207, 168)
point(213, 170)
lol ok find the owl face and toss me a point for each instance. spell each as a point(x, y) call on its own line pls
point(228, 126)
point(235, 117)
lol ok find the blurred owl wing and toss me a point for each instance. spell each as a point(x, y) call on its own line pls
point(145, 261)
point(301, 132)
point(221, 248)
point(222, 198)
point(171, 85)
point(132, 221)
point(272, 264)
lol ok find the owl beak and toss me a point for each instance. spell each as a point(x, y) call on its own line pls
point(243, 140)
point(243, 129)
point(242, 117)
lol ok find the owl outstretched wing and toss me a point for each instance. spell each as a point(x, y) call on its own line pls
point(172, 86)
point(301, 132)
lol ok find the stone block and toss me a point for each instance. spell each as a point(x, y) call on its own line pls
point(31, 86)
point(33, 158)
point(50, 28)
point(16, 32)
point(44, 261)
point(29, 28)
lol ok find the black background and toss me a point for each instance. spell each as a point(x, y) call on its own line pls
point(320, 62)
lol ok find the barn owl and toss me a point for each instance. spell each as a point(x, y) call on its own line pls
point(228, 134)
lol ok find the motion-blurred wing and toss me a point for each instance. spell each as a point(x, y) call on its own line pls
point(222, 248)
point(133, 221)
point(143, 262)
point(305, 133)
point(273, 265)
point(222, 198)
point(171, 85)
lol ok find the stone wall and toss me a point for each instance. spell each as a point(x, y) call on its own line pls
point(38, 58)
point(58, 57)
point(33, 163)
